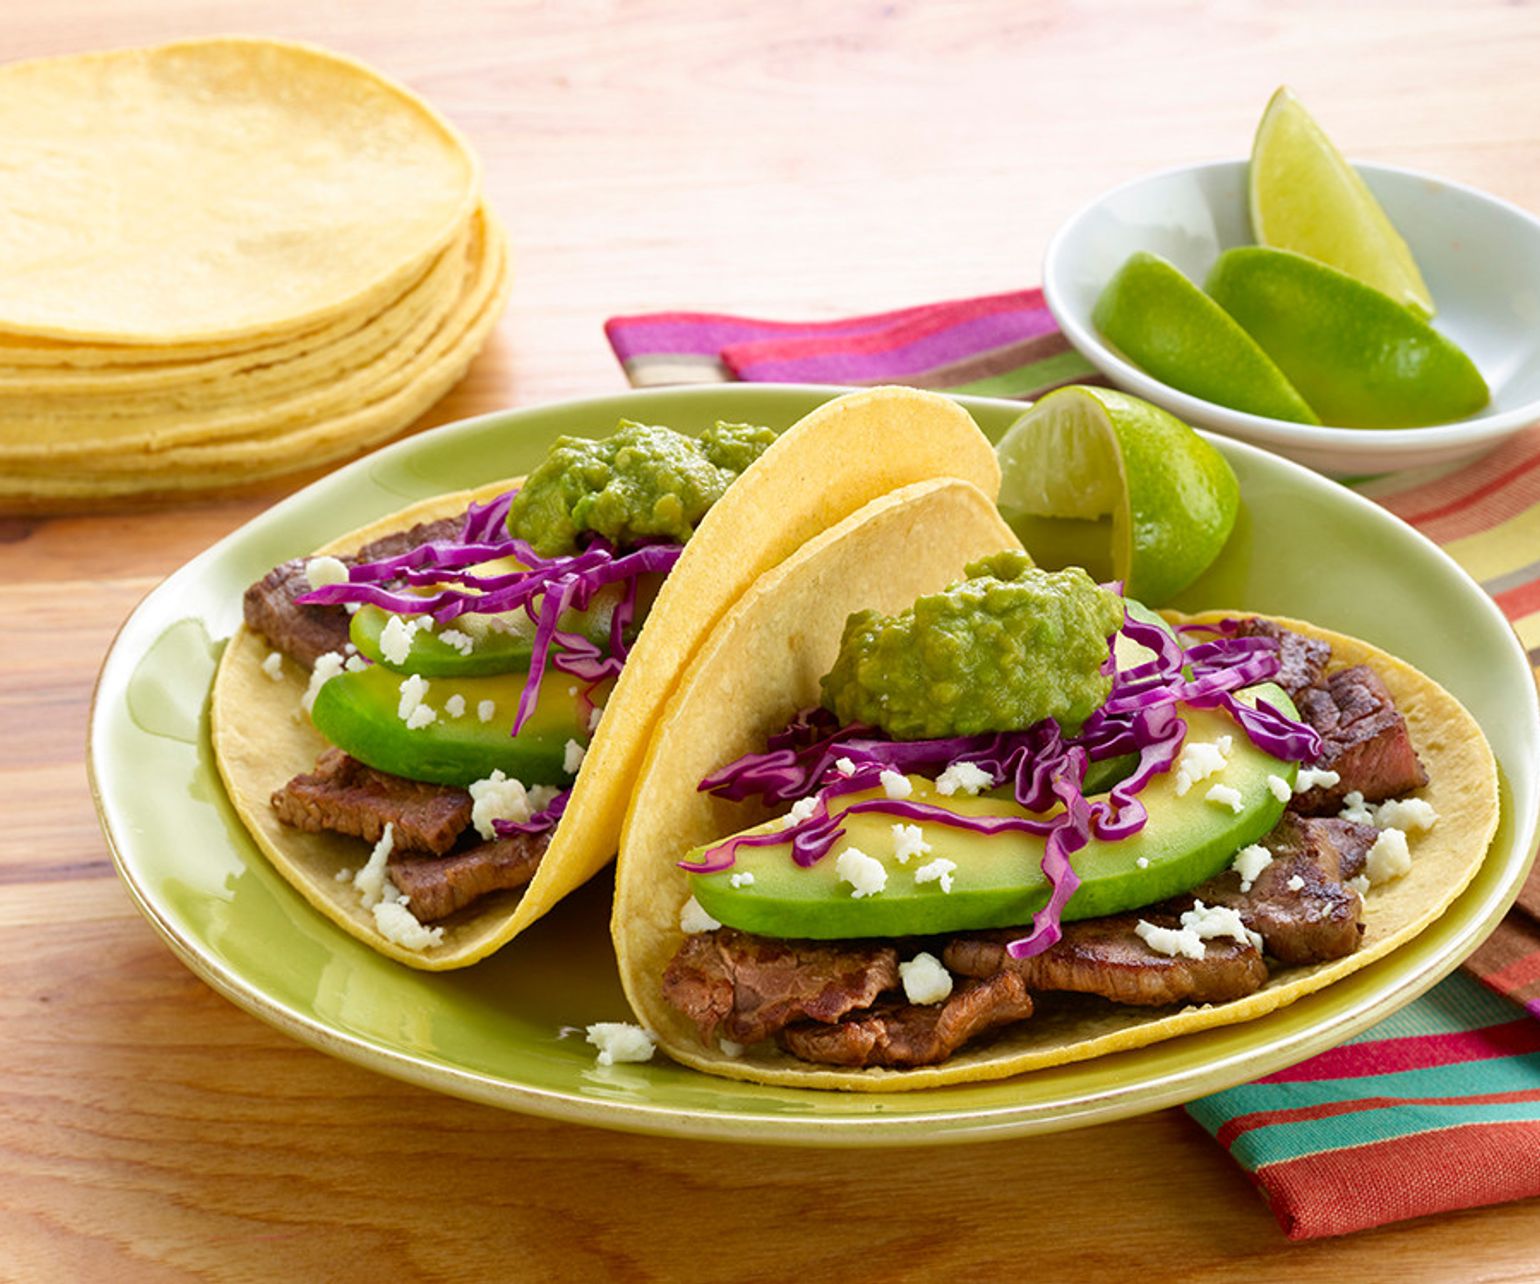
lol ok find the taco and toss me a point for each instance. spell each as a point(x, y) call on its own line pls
point(919, 812)
point(431, 726)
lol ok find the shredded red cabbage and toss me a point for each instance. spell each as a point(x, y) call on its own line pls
point(545, 590)
point(815, 757)
point(539, 823)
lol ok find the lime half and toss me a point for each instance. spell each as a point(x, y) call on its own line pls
point(1170, 329)
point(1162, 496)
point(1305, 197)
point(1358, 357)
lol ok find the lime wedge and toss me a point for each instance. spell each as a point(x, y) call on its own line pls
point(1081, 455)
point(1357, 356)
point(1305, 197)
point(1170, 329)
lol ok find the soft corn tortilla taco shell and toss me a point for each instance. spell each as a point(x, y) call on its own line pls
point(764, 662)
point(826, 466)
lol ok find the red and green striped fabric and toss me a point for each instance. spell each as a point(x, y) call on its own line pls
point(1434, 1109)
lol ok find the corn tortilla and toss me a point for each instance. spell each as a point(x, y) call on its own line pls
point(36, 485)
point(248, 372)
point(764, 661)
point(885, 438)
point(126, 171)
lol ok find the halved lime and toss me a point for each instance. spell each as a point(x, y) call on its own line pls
point(1305, 197)
point(1356, 355)
point(1160, 496)
point(1170, 329)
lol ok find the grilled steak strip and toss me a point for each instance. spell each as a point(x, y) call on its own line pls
point(437, 886)
point(1319, 920)
point(346, 797)
point(1366, 741)
point(912, 1034)
point(1302, 659)
point(747, 988)
point(306, 633)
point(1104, 956)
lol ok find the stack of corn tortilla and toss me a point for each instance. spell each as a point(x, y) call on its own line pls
point(222, 260)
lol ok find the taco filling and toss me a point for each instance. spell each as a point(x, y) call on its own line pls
point(1025, 786)
point(459, 668)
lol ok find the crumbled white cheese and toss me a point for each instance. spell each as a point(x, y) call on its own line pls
point(1296, 884)
point(396, 639)
point(424, 715)
point(1280, 788)
point(500, 798)
point(730, 1049)
point(344, 875)
point(866, 875)
point(1143, 862)
point(462, 642)
point(895, 784)
point(273, 665)
point(323, 572)
point(1360, 884)
point(1170, 940)
point(1250, 862)
point(349, 649)
point(801, 810)
point(326, 668)
point(908, 840)
point(938, 871)
point(413, 689)
point(455, 705)
point(397, 923)
point(1309, 777)
point(1226, 796)
point(1405, 814)
point(355, 664)
point(572, 756)
point(745, 879)
point(485, 710)
point(925, 979)
point(593, 718)
point(1208, 921)
point(352, 608)
point(1389, 858)
point(1355, 809)
point(969, 777)
point(845, 766)
point(1199, 760)
point(620, 1041)
point(370, 882)
point(693, 919)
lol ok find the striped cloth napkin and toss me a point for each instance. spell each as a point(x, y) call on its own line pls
point(1434, 1109)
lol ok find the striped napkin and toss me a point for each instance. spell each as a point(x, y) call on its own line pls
point(1434, 1109)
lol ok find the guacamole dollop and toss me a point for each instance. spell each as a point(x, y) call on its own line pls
point(643, 482)
point(997, 651)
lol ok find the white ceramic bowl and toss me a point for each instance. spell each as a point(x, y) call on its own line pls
point(1479, 255)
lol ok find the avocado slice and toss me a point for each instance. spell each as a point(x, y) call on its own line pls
point(998, 880)
point(502, 642)
point(357, 712)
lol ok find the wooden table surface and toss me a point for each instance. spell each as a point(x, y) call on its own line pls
point(788, 159)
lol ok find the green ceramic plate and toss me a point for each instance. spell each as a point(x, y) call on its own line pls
point(508, 1031)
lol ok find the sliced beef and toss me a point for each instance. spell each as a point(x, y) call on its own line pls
point(1351, 842)
point(1302, 659)
point(1105, 956)
point(306, 633)
point(912, 1034)
point(437, 886)
point(1318, 920)
point(1366, 741)
point(747, 988)
point(346, 797)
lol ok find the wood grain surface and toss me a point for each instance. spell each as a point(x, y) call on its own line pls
point(790, 159)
